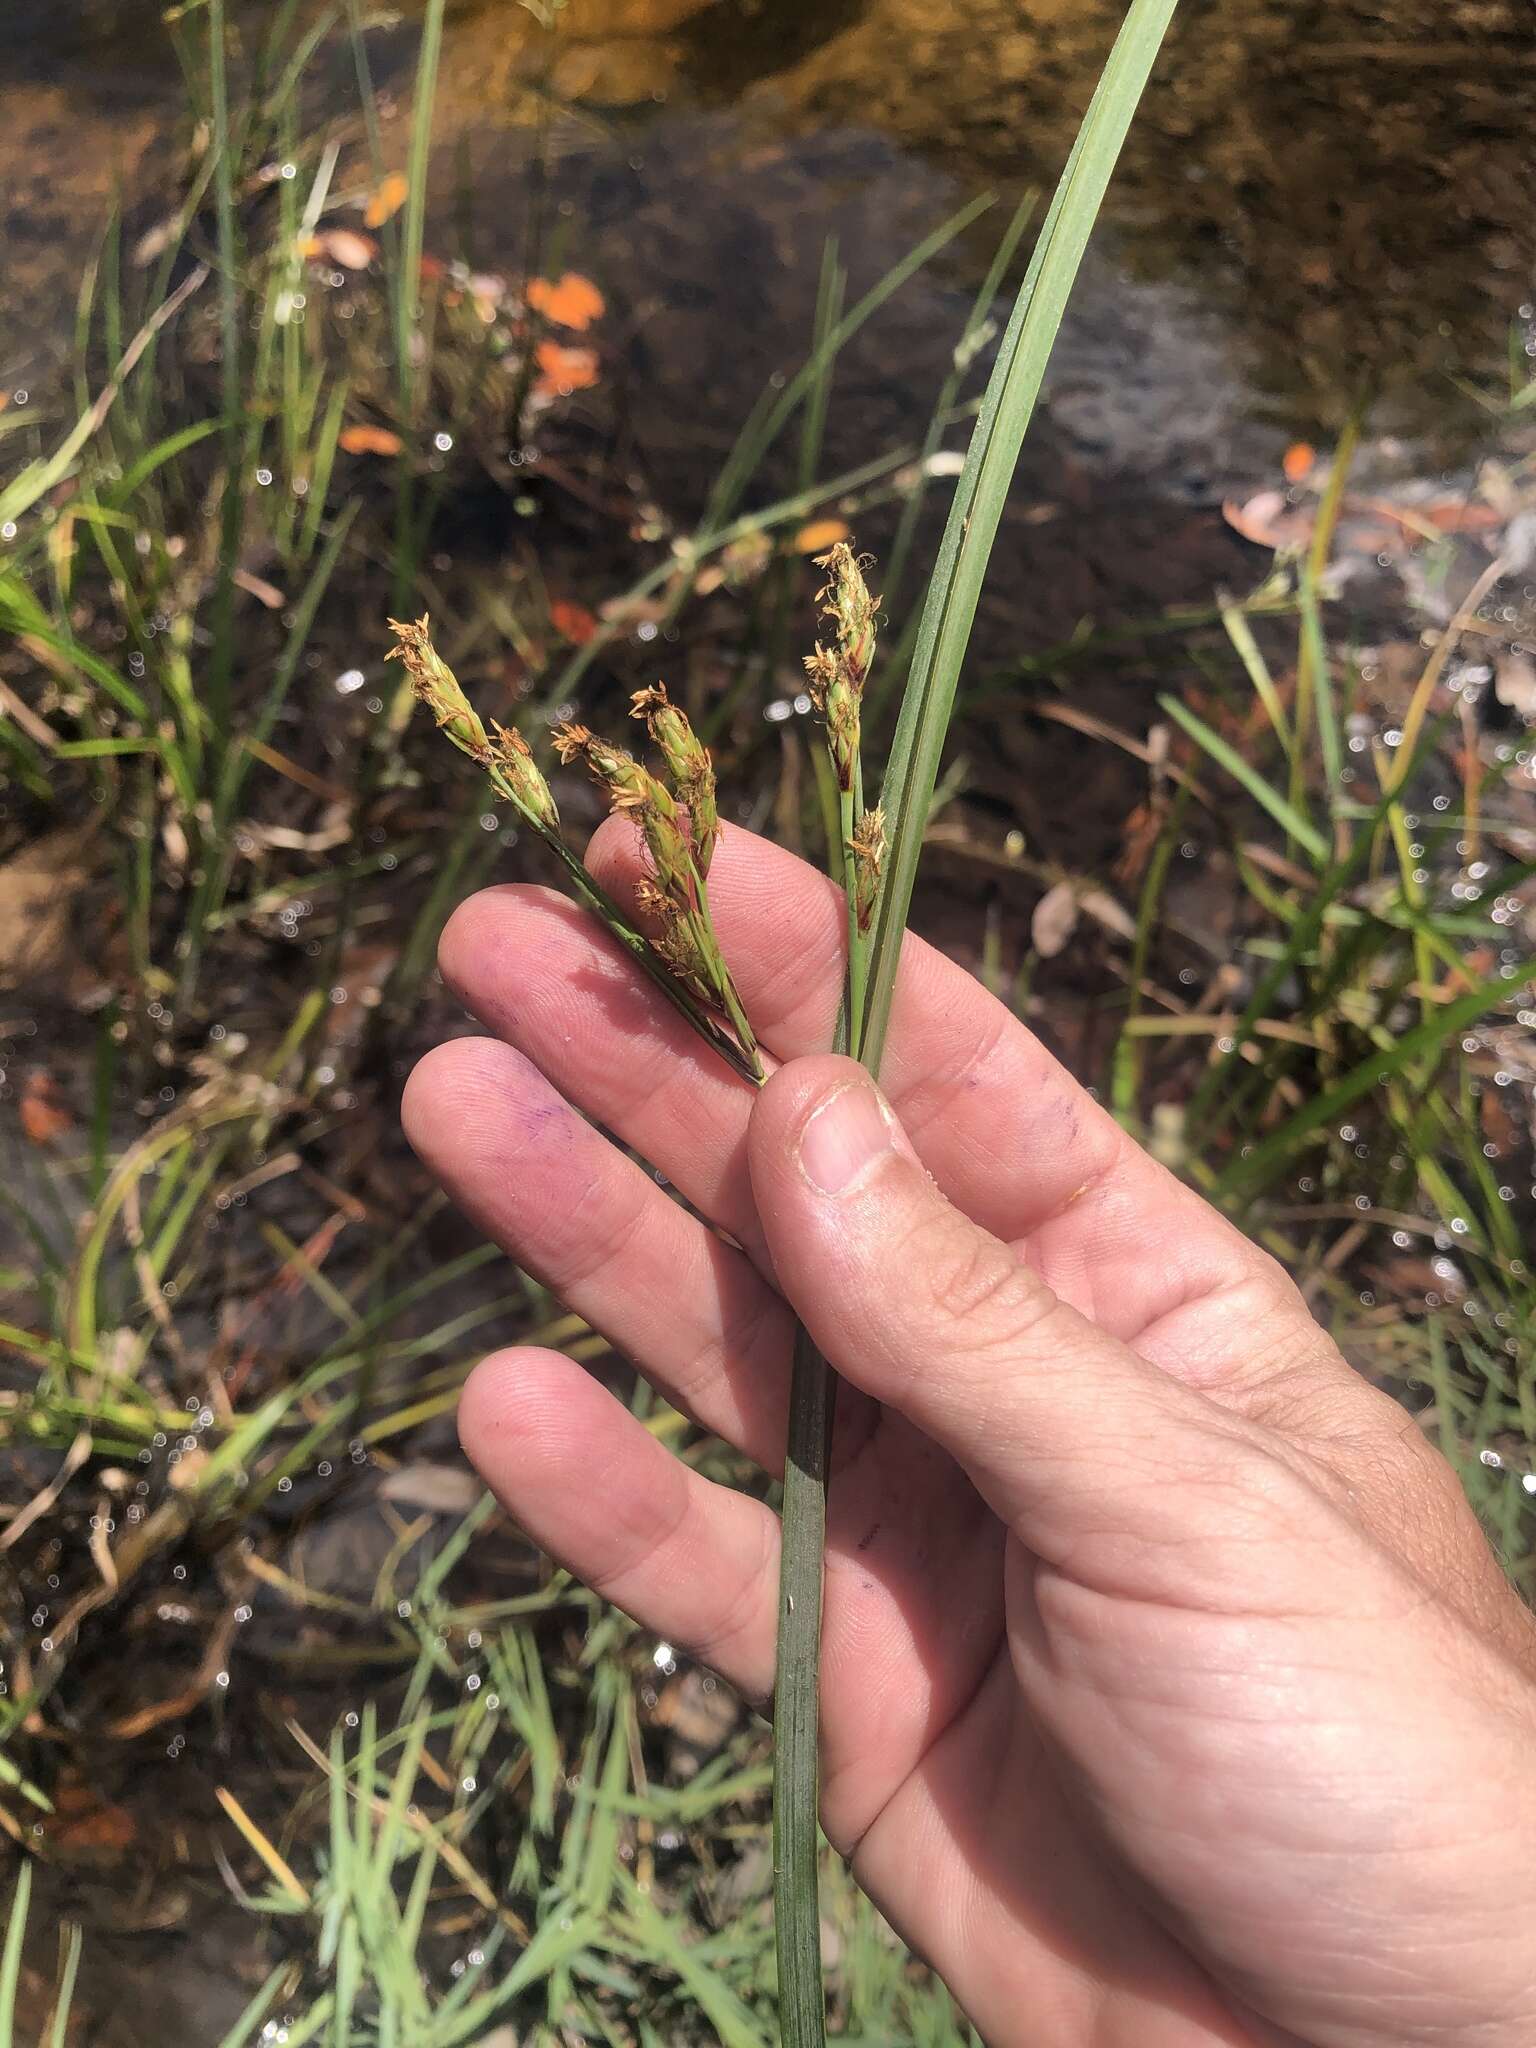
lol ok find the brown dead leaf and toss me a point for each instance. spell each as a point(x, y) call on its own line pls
point(37, 886)
point(43, 1111)
point(385, 200)
point(1054, 920)
point(86, 1828)
point(439, 1489)
point(564, 370)
point(820, 535)
point(698, 1709)
point(366, 440)
point(344, 246)
point(258, 587)
point(571, 301)
point(1102, 907)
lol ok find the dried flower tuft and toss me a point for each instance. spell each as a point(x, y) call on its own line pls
point(867, 846)
point(513, 772)
point(635, 791)
point(844, 598)
point(837, 673)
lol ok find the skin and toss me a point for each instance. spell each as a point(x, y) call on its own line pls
point(1171, 1694)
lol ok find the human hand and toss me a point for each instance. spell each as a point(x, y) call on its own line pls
point(1170, 1693)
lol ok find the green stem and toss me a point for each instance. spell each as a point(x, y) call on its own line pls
point(797, 1671)
point(742, 1059)
point(704, 938)
point(796, 1771)
point(851, 809)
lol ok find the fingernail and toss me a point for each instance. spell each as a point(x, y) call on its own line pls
point(847, 1135)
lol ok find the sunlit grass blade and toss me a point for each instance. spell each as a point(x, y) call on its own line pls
point(1279, 807)
point(955, 590)
point(10, 1957)
point(974, 337)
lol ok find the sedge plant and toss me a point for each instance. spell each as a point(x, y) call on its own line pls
point(876, 861)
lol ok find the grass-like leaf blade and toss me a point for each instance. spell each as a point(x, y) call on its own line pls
point(950, 608)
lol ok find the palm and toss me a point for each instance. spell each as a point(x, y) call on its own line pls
point(976, 1776)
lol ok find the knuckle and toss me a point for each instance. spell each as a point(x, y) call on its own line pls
point(976, 1282)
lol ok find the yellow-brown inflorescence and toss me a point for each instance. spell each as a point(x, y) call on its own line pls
point(502, 753)
point(688, 763)
point(634, 790)
point(837, 674)
point(868, 849)
point(437, 686)
point(673, 895)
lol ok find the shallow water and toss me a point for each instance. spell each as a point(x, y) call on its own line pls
point(1318, 203)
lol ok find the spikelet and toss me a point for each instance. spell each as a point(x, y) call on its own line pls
point(867, 846)
point(437, 686)
point(505, 758)
point(688, 763)
point(844, 598)
point(837, 674)
point(639, 794)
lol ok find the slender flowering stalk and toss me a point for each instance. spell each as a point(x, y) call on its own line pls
point(509, 766)
point(837, 675)
point(676, 895)
point(680, 827)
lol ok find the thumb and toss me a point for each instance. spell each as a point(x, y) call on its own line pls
point(1073, 1439)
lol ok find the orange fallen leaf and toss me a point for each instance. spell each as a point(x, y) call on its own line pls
point(363, 440)
point(87, 1828)
point(385, 200)
point(820, 535)
point(572, 621)
point(44, 1114)
point(564, 370)
point(571, 301)
point(1298, 461)
point(344, 246)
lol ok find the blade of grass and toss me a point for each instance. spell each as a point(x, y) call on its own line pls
point(1284, 813)
point(955, 590)
point(911, 777)
point(231, 510)
point(58, 2033)
point(10, 1960)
